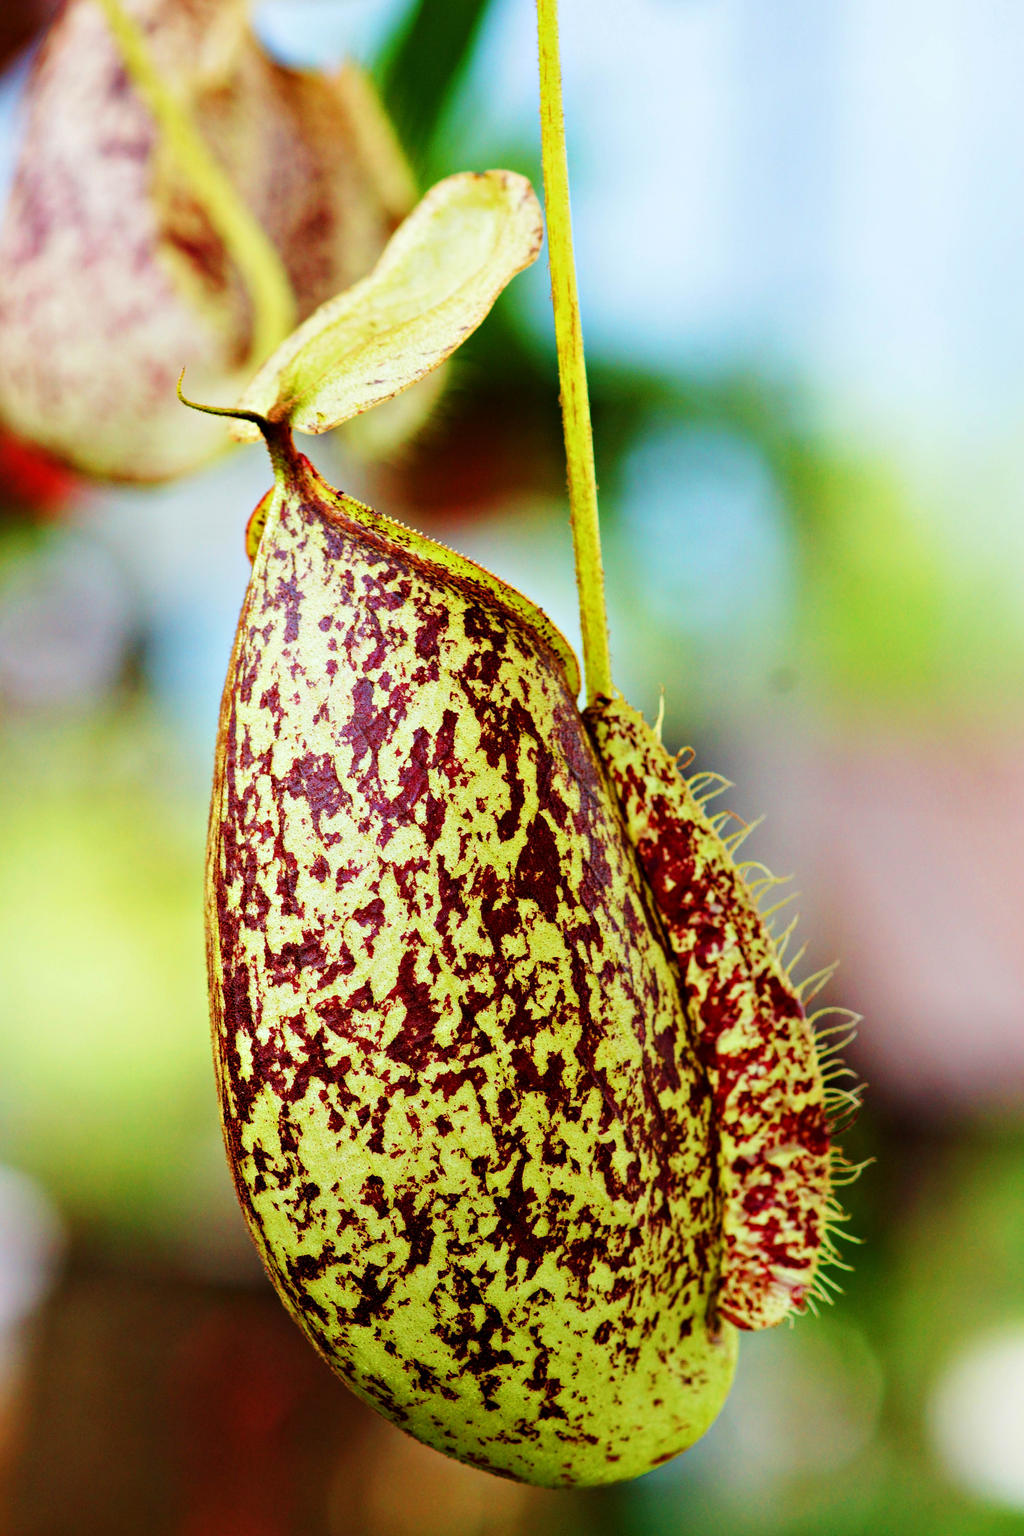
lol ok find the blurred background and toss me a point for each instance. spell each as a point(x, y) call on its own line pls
point(800, 234)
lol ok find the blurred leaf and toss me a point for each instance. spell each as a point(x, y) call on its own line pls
point(425, 63)
point(103, 1033)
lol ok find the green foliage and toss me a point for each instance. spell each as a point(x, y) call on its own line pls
point(423, 66)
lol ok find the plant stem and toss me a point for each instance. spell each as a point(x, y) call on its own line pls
point(572, 372)
point(276, 434)
point(261, 268)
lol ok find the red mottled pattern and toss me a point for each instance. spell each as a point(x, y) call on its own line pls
point(112, 278)
point(466, 1122)
point(751, 1034)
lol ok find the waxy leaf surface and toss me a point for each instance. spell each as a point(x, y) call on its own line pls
point(468, 1126)
point(434, 284)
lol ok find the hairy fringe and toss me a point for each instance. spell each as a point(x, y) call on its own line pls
point(843, 1092)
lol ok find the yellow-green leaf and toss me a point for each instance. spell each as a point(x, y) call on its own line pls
point(434, 284)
